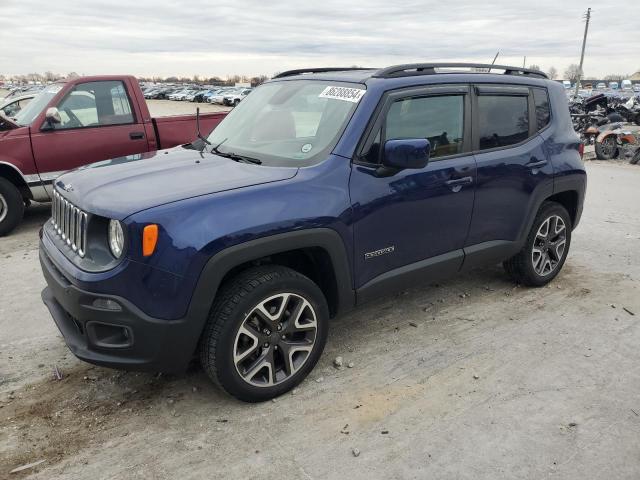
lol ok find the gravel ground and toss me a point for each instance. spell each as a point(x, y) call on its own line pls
point(473, 378)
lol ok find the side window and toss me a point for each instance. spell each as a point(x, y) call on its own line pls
point(439, 119)
point(95, 104)
point(502, 120)
point(543, 110)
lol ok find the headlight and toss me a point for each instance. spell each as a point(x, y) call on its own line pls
point(116, 238)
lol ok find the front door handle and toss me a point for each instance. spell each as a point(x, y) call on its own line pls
point(456, 184)
point(136, 135)
point(535, 163)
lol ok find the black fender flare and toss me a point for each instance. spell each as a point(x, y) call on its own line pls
point(224, 261)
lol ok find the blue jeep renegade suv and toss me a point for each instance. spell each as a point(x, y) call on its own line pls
point(323, 189)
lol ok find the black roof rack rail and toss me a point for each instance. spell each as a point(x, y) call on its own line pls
point(412, 69)
point(290, 73)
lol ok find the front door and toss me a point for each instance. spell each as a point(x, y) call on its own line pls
point(97, 122)
point(415, 218)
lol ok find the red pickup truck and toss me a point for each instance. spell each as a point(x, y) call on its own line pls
point(76, 122)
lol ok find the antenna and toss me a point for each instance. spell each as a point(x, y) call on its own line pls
point(206, 142)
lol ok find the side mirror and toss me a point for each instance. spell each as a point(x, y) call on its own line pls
point(406, 153)
point(52, 115)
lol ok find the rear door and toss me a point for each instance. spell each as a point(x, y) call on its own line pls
point(513, 169)
point(98, 122)
point(409, 220)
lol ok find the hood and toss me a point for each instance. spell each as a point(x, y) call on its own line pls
point(120, 187)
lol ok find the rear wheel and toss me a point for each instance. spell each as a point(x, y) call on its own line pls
point(636, 158)
point(607, 149)
point(266, 331)
point(545, 249)
point(11, 206)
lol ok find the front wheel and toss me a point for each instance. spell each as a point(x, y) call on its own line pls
point(11, 206)
point(266, 331)
point(607, 149)
point(545, 249)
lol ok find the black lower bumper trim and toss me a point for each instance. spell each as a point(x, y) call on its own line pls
point(122, 337)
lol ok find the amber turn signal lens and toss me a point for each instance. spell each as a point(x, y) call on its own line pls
point(149, 239)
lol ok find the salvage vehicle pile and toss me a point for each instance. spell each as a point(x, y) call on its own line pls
point(611, 124)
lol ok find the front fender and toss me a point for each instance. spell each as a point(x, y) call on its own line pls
point(600, 138)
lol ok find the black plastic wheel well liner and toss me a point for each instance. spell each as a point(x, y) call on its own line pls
point(569, 200)
point(13, 176)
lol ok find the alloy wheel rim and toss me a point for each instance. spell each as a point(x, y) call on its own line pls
point(4, 208)
point(275, 340)
point(608, 146)
point(549, 245)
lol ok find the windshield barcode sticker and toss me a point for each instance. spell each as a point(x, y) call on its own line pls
point(343, 93)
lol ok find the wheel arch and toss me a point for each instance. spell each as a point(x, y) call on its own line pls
point(300, 250)
point(13, 175)
point(569, 200)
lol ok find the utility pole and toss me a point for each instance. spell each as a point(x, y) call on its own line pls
point(524, 62)
point(584, 43)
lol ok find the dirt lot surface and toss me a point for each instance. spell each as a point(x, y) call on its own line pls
point(474, 378)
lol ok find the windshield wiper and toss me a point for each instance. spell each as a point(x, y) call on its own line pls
point(215, 149)
point(241, 158)
point(234, 156)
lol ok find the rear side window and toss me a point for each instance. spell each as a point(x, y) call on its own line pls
point(502, 120)
point(439, 119)
point(543, 110)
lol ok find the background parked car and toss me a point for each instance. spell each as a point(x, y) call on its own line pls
point(235, 98)
point(13, 105)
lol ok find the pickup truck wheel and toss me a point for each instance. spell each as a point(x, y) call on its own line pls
point(545, 249)
point(266, 331)
point(11, 206)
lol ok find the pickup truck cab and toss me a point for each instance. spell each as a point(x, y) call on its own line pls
point(322, 190)
point(76, 122)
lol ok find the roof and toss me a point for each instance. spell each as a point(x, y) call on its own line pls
point(361, 75)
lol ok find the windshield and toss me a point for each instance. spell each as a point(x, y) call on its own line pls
point(35, 106)
point(290, 123)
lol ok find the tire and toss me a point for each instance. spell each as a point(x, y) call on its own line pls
point(607, 149)
point(635, 160)
point(238, 340)
point(11, 206)
point(236, 102)
point(523, 267)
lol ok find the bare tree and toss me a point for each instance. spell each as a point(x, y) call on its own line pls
point(572, 72)
point(50, 76)
point(533, 66)
point(615, 77)
point(552, 73)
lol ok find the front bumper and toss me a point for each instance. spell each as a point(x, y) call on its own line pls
point(124, 338)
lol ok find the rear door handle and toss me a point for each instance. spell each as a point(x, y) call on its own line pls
point(136, 135)
point(456, 184)
point(535, 163)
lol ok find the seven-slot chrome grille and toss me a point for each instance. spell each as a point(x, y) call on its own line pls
point(70, 223)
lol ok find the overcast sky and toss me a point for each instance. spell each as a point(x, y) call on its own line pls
point(223, 37)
